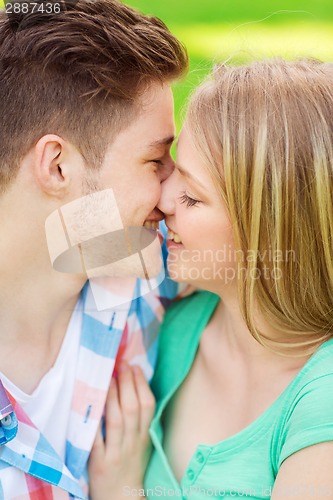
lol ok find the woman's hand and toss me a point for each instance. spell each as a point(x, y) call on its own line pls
point(121, 459)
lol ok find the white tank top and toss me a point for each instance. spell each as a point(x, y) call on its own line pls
point(49, 404)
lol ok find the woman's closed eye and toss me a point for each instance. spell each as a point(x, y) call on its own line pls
point(190, 202)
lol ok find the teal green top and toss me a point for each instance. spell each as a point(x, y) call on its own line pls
point(246, 464)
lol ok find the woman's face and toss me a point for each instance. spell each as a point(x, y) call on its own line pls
point(200, 243)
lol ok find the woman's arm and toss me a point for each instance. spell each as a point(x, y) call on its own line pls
point(306, 475)
point(119, 462)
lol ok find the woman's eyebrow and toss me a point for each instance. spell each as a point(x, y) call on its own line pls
point(190, 176)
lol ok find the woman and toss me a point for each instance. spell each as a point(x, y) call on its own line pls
point(244, 382)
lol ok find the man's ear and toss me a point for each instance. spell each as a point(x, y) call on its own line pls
point(51, 170)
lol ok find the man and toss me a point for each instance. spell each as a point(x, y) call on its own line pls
point(86, 114)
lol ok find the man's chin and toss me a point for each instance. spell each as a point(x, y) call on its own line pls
point(146, 264)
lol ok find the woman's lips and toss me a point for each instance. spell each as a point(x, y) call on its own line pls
point(172, 244)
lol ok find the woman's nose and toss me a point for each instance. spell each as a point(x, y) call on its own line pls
point(167, 200)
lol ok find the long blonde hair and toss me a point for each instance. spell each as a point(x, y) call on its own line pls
point(265, 131)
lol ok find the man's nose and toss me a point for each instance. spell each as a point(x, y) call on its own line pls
point(166, 170)
point(167, 200)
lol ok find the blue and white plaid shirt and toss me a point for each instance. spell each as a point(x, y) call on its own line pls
point(29, 466)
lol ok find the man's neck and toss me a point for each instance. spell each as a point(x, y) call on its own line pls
point(36, 304)
point(33, 296)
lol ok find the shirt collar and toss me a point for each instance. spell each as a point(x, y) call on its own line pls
point(8, 420)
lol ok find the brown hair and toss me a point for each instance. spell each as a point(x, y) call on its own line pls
point(265, 131)
point(78, 73)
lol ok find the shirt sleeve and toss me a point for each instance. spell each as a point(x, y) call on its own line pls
point(310, 417)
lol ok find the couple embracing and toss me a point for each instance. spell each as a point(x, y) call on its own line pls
point(240, 394)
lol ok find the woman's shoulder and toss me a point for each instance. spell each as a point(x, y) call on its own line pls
point(180, 335)
point(199, 303)
point(312, 380)
point(185, 320)
point(319, 364)
point(307, 416)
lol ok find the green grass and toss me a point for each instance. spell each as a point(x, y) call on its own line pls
point(240, 30)
point(243, 42)
point(207, 11)
point(243, 30)
point(217, 11)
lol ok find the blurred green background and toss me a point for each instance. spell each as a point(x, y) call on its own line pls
point(242, 30)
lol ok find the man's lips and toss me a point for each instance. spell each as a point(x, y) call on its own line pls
point(153, 226)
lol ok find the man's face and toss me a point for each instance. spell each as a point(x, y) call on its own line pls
point(105, 225)
point(139, 159)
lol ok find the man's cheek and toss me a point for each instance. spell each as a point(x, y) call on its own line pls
point(91, 236)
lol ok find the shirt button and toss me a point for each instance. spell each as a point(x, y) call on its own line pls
point(190, 474)
point(200, 457)
point(6, 422)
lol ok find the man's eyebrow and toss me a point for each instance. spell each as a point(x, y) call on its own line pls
point(190, 176)
point(162, 142)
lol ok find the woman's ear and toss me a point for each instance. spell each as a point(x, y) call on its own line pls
point(53, 164)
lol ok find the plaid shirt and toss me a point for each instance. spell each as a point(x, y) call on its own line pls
point(29, 466)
